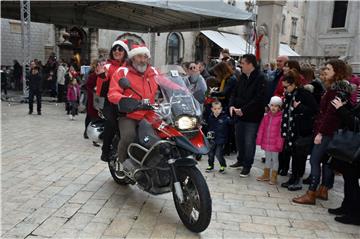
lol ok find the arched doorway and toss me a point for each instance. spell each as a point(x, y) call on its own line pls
point(202, 49)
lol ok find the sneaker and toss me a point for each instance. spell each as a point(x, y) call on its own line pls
point(30, 112)
point(337, 211)
point(222, 169)
point(236, 165)
point(96, 144)
point(209, 169)
point(245, 172)
point(71, 117)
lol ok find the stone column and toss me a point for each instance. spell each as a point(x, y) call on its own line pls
point(94, 43)
point(269, 14)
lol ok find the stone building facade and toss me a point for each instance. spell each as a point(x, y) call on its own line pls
point(333, 30)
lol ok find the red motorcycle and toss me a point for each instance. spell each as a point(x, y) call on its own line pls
point(162, 160)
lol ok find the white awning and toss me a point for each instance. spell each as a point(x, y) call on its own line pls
point(235, 43)
point(285, 50)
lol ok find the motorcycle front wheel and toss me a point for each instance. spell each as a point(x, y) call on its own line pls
point(195, 210)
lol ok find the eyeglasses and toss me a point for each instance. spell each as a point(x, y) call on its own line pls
point(119, 49)
point(192, 68)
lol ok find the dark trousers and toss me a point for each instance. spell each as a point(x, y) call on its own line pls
point(127, 128)
point(74, 107)
point(110, 128)
point(317, 154)
point(60, 96)
point(284, 160)
point(298, 163)
point(351, 194)
point(36, 93)
point(245, 133)
point(351, 175)
point(218, 151)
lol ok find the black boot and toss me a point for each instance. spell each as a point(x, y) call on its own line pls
point(337, 211)
point(289, 182)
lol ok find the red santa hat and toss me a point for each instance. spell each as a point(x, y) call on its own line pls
point(139, 49)
point(122, 43)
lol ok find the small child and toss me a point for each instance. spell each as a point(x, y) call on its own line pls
point(73, 96)
point(270, 140)
point(218, 127)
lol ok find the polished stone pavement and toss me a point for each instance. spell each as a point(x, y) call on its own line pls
point(53, 185)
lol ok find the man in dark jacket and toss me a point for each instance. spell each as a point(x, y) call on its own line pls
point(247, 105)
point(34, 81)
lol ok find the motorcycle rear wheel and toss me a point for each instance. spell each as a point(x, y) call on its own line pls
point(195, 211)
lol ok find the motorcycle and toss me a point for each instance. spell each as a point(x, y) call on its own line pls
point(162, 159)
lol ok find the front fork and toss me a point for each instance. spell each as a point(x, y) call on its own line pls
point(177, 186)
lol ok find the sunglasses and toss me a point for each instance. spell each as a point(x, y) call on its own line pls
point(119, 49)
point(192, 68)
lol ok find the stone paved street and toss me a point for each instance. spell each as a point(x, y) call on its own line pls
point(55, 186)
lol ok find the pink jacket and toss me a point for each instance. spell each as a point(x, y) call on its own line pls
point(269, 133)
point(73, 92)
point(355, 80)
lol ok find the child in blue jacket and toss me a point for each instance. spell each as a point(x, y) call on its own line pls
point(218, 127)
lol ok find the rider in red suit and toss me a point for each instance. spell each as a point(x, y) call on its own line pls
point(141, 76)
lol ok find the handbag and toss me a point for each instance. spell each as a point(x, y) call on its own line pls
point(345, 145)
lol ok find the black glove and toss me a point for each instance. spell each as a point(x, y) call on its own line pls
point(128, 105)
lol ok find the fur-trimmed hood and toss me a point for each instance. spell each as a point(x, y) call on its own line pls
point(343, 86)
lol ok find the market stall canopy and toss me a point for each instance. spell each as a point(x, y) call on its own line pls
point(285, 50)
point(235, 43)
point(136, 16)
point(238, 46)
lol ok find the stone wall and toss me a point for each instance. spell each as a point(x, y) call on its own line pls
point(42, 38)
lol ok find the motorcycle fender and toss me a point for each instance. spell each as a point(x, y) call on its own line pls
point(185, 162)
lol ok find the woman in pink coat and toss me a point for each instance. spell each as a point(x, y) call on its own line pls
point(270, 140)
point(73, 96)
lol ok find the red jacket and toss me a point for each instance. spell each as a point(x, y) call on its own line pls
point(73, 92)
point(279, 91)
point(269, 133)
point(144, 84)
point(327, 121)
point(102, 84)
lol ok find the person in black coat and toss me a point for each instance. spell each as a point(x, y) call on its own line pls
point(349, 211)
point(34, 82)
point(247, 104)
point(297, 126)
point(218, 124)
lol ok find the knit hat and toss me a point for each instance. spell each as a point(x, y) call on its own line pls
point(139, 49)
point(123, 44)
point(275, 100)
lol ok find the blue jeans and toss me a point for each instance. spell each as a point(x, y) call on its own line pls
point(245, 136)
point(317, 154)
point(218, 151)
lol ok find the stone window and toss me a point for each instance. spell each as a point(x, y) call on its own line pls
point(293, 26)
point(339, 14)
point(15, 27)
point(283, 22)
point(173, 48)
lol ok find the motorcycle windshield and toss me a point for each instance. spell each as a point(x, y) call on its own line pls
point(175, 92)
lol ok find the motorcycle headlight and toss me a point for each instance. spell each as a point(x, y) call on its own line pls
point(186, 122)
